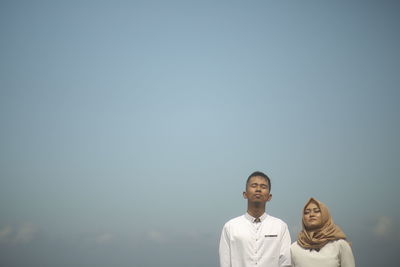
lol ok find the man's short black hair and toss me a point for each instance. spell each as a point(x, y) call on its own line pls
point(261, 174)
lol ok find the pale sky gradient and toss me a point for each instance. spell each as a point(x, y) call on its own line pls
point(128, 128)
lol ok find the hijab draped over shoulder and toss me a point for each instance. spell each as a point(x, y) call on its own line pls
point(318, 238)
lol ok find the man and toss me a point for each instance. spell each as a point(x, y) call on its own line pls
point(255, 238)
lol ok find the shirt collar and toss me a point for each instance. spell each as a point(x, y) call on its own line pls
point(251, 218)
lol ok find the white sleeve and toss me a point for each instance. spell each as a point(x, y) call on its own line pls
point(284, 256)
point(346, 255)
point(292, 255)
point(224, 249)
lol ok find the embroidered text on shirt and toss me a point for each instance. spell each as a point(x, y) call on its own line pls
point(271, 235)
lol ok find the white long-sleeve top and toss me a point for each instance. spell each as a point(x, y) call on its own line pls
point(245, 243)
point(334, 254)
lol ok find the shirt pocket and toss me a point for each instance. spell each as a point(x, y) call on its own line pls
point(271, 244)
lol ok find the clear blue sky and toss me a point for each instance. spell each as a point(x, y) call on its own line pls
point(128, 128)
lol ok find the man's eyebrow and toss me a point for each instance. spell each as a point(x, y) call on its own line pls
point(259, 184)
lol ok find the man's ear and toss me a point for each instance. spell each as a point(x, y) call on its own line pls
point(270, 197)
point(244, 195)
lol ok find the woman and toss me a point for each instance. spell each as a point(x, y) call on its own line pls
point(321, 243)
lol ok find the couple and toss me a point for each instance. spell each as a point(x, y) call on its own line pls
point(258, 239)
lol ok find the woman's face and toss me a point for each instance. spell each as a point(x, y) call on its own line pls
point(312, 216)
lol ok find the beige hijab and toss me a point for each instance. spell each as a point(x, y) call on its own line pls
point(328, 231)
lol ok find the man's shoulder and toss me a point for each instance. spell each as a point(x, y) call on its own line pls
point(236, 220)
point(275, 220)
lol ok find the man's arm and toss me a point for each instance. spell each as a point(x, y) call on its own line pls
point(224, 249)
point(284, 256)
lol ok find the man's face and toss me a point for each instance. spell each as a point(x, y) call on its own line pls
point(257, 190)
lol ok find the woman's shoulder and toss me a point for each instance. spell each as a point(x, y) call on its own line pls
point(339, 242)
point(342, 244)
point(295, 246)
point(333, 245)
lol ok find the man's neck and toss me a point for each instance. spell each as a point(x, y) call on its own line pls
point(256, 210)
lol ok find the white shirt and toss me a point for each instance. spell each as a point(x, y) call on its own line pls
point(245, 243)
point(334, 254)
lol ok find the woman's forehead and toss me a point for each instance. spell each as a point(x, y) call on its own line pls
point(311, 204)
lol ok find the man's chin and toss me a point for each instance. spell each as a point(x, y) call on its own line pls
point(258, 201)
